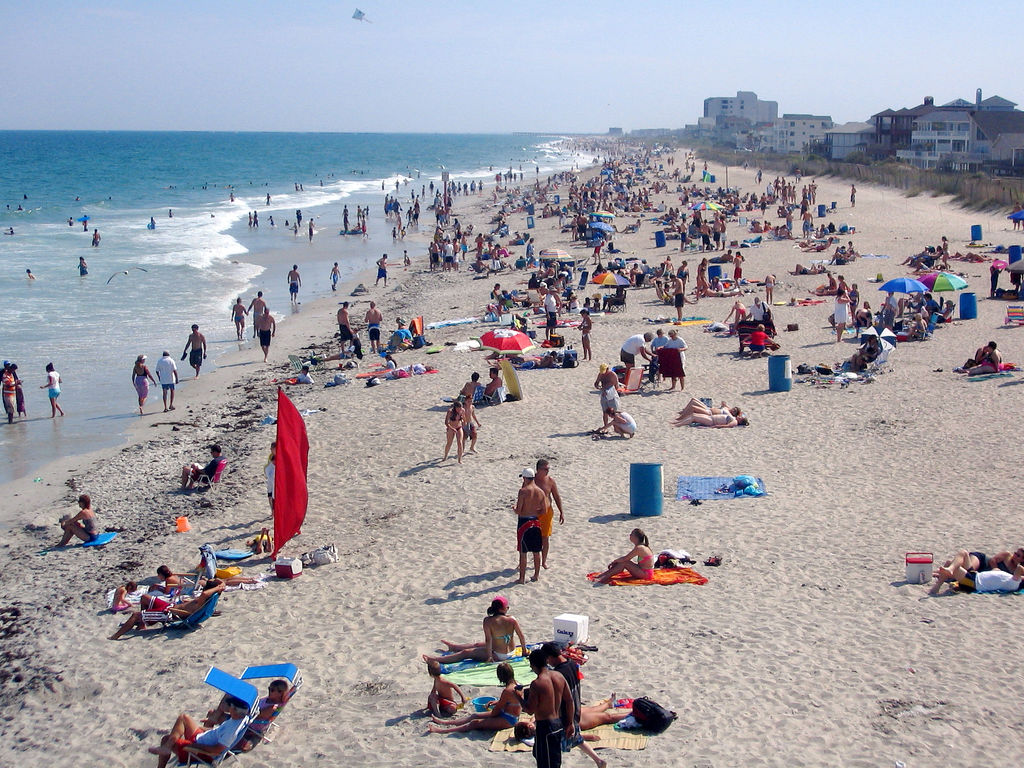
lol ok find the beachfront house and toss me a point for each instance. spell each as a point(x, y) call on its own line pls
point(937, 138)
point(744, 105)
point(843, 140)
point(796, 133)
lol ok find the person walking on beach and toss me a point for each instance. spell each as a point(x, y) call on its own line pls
point(238, 313)
point(547, 484)
point(382, 270)
point(10, 392)
point(311, 230)
point(266, 327)
point(335, 277)
point(530, 505)
point(52, 387)
point(853, 196)
point(374, 317)
point(294, 281)
point(140, 380)
point(257, 307)
point(197, 342)
point(167, 375)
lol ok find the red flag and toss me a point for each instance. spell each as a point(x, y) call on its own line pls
point(290, 493)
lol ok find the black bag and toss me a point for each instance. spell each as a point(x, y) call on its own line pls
point(569, 359)
point(651, 715)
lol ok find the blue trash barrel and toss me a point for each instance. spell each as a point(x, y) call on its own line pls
point(714, 270)
point(529, 222)
point(711, 178)
point(821, 210)
point(645, 490)
point(968, 306)
point(1015, 253)
point(975, 233)
point(659, 239)
point(780, 373)
point(530, 209)
point(558, 199)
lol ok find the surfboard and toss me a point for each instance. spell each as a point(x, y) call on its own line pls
point(511, 377)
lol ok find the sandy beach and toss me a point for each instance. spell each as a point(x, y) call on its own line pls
point(805, 648)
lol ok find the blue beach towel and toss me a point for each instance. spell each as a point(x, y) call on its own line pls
point(707, 488)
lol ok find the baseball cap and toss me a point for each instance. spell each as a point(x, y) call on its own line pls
point(528, 473)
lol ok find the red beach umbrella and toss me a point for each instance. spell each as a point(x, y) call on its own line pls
point(506, 341)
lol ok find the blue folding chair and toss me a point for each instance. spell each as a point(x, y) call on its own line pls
point(240, 689)
point(288, 672)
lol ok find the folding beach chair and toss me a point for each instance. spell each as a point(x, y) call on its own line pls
point(584, 274)
point(632, 381)
point(1014, 314)
point(288, 672)
point(208, 482)
point(192, 621)
point(240, 689)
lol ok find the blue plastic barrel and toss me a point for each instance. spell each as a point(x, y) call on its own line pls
point(530, 209)
point(975, 233)
point(659, 239)
point(1014, 252)
point(714, 270)
point(968, 306)
point(780, 373)
point(558, 199)
point(645, 490)
point(711, 178)
point(529, 222)
point(821, 210)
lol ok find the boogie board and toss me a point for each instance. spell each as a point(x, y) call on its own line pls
point(511, 377)
point(233, 554)
point(433, 350)
point(101, 540)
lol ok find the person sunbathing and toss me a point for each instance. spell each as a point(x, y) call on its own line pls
point(504, 713)
point(182, 610)
point(918, 328)
point(193, 473)
point(698, 406)
point(828, 290)
point(814, 269)
point(279, 693)
point(187, 736)
point(494, 383)
point(499, 629)
point(719, 420)
point(591, 716)
point(976, 562)
point(986, 360)
point(643, 568)
point(983, 581)
point(82, 525)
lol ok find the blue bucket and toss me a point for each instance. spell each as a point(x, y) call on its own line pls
point(780, 373)
point(480, 703)
point(645, 490)
point(968, 306)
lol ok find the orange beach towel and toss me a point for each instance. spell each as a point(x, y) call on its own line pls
point(661, 576)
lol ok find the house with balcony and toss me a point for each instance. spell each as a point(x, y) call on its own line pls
point(939, 138)
point(795, 133)
point(843, 140)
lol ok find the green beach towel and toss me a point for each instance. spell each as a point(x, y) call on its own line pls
point(482, 674)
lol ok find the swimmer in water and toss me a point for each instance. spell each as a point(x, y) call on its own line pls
point(83, 268)
point(29, 275)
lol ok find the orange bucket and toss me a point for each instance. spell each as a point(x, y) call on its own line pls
point(183, 526)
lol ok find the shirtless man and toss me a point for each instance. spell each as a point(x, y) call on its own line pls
point(257, 307)
point(374, 317)
point(607, 382)
point(267, 329)
point(678, 295)
point(548, 698)
point(294, 281)
point(238, 313)
point(494, 383)
point(530, 505)
point(197, 342)
point(547, 484)
point(344, 325)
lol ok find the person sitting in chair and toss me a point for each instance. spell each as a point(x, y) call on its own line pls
point(180, 611)
point(187, 736)
point(193, 473)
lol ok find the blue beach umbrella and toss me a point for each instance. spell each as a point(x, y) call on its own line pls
point(1016, 216)
point(82, 218)
point(904, 285)
point(600, 226)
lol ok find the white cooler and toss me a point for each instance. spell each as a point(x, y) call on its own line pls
point(919, 567)
point(571, 628)
point(288, 567)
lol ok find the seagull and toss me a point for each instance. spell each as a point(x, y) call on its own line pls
point(124, 272)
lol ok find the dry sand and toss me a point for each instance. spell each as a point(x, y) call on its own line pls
point(805, 648)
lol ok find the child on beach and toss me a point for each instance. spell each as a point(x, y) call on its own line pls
point(441, 699)
point(52, 386)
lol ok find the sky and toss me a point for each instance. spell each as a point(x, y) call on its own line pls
point(461, 66)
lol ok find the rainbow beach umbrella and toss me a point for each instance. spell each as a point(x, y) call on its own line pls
point(553, 253)
point(610, 280)
point(939, 282)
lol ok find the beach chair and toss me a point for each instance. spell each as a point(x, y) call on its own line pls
point(584, 274)
point(1014, 314)
point(881, 363)
point(288, 672)
point(297, 363)
point(240, 689)
point(192, 621)
point(633, 381)
point(209, 482)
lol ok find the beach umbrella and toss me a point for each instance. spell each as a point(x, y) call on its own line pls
point(553, 253)
point(944, 281)
point(600, 226)
point(706, 205)
point(904, 285)
point(1017, 266)
point(1016, 216)
point(610, 280)
point(888, 338)
point(603, 214)
point(506, 341)
point(82, 218)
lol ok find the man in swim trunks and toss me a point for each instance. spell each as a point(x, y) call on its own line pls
point(374, 317)
point(344, 325)
point(547, 484)
point(294, 281)
point(530, 505)
point(549, 697)
point(382, 270)
point(167, 375)
point(994, 580)
point(570, 672)
point(266, 327)
point(197, 342)
point(187, 735)
point(976, 562)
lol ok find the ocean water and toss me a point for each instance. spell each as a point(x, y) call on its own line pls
point(189, 268)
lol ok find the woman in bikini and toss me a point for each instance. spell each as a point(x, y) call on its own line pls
point(499, 629)
point(82, 525)
point(711, 420)
point(454, 421)
point(696, 406)
point(504, 713)
point(643, 568)
point(238, 313)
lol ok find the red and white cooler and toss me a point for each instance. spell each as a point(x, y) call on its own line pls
point(288, 567)
point(919, 567)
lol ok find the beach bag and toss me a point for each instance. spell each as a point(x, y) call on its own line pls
point(227, 573)
point(324, 555)
point(652, 716)
point(570, 359)
point(557, 340)
point(418, 342)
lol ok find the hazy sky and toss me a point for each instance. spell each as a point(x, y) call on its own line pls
point(482, 66)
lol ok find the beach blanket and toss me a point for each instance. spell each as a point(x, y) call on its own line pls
point(661, 576)
point(707, 488)
point(482, 674)
point(505, 741)
point(449, 323)
point(987, 376)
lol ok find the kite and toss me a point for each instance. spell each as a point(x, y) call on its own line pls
point(360, 16)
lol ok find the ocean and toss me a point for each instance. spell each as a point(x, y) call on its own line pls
point(145, 287)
